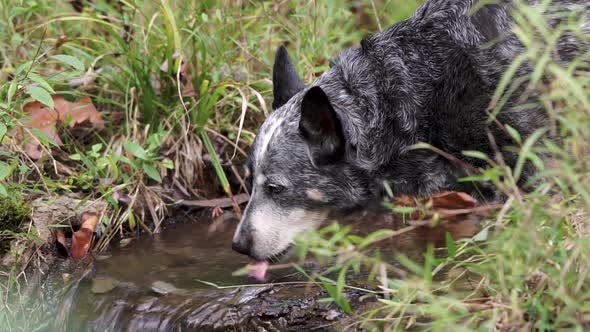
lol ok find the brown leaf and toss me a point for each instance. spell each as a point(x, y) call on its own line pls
point(451, 200)
point(45, 119)
point(446, 205)
point(82, 238)
point(60, 243)
point(81, 243)
point(89, 221)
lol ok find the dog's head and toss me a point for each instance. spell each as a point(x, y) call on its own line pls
point(298, 166)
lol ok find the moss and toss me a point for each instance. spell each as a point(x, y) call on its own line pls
point(13, 212)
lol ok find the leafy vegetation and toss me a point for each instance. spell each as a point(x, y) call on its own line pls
point(181, 87)
point(14, 211)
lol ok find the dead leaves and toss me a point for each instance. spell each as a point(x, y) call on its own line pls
point(80, 239)
point(447, 205)
point(83, 237)
point(451, 201)
point(445, 200)
point(44, 120)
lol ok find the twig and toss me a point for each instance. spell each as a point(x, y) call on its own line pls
point(235, 204)
point(217, 202)
point(469, 169)
point(227, 140)
point(240, 179)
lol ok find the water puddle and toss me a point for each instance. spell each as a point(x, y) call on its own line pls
point(152, 283)
point(179, 255)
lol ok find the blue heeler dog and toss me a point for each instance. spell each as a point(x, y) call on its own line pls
point(329, 147)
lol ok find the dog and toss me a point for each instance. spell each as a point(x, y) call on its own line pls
point(330, 148)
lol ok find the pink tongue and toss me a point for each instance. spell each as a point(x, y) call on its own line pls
point(258, 270)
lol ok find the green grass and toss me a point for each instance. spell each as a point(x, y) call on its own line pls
point(143, 56)
point(529, 268)
point(14, 211)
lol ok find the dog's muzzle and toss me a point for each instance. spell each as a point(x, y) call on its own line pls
point(242, 242)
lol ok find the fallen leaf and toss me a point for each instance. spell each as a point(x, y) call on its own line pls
point(45, 119)
point(82, 238)
point(451, 200)
point(446, 205)
point(80, 243)
point(89, 221)
point(448, 200)
point(60, 243)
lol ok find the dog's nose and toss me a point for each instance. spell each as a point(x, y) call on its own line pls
point(242, 244)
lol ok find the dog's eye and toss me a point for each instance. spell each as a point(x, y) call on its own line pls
point(274, 189)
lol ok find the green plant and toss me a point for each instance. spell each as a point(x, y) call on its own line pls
point(13, 213)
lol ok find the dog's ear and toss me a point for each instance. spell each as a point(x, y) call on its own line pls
point(285, 79)
point(320, 126)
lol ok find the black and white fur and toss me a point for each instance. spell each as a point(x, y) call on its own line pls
point(329, 147)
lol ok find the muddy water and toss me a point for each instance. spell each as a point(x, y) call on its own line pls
point(179, 255)
point(152, 283)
